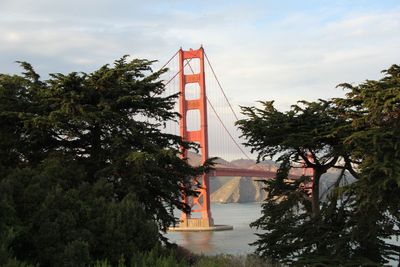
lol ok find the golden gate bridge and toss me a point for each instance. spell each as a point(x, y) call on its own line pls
point(204, 108)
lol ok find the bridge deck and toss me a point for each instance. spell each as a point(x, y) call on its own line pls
point(245, 173)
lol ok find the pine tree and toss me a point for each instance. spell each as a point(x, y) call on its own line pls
point(374, 108)
point(298, 227)
point(358, 134)
point(86, 171)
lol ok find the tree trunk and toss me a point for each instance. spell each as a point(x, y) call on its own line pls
point(316, 212)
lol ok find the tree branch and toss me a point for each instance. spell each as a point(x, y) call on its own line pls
point(305, 158)
point(332, 162)
point(350, 168)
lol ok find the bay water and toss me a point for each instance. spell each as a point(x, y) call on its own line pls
point(236, 241)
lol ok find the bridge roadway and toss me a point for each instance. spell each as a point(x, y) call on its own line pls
point(245, 173)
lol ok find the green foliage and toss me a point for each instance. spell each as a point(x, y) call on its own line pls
point(374, 107)
point(232, 260)
point(85, 171)
point(157, 257)
point(291, 235)
point(16, 263)
point(161, 257)
point(76, 254)
point(311, 134)
point(358, 134)
point(308, 135)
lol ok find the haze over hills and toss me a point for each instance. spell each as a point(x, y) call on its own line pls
point(248, 189)
point(239, 190)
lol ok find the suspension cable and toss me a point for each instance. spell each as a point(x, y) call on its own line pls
point(208, 101)
point(176, 74)
point(169, 60)
point(226, 129)
point(219, 84)
point(222, 123)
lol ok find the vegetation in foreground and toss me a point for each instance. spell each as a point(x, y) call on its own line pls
point(358, 135)
point(87, 178)
point(174, 260)
point(161, 257)
point(86, 173)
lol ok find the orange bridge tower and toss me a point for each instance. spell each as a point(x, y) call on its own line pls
point(201, 213)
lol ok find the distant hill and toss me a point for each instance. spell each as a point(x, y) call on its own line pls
point(239, 189)
point(217, 182)
point(247, 163)
point(243, 163)
point(195, 160)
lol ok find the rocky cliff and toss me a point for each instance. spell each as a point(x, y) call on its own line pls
point(239, 189)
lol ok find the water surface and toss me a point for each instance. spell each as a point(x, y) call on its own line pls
point(235, 241)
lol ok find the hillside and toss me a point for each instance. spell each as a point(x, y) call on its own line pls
point(239, 189)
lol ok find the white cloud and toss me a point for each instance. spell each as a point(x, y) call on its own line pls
point(258, 51)
point(273, 55)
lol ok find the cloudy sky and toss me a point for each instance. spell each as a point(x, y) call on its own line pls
point(282, 50)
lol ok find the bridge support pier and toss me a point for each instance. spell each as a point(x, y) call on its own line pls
point(196, 222)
